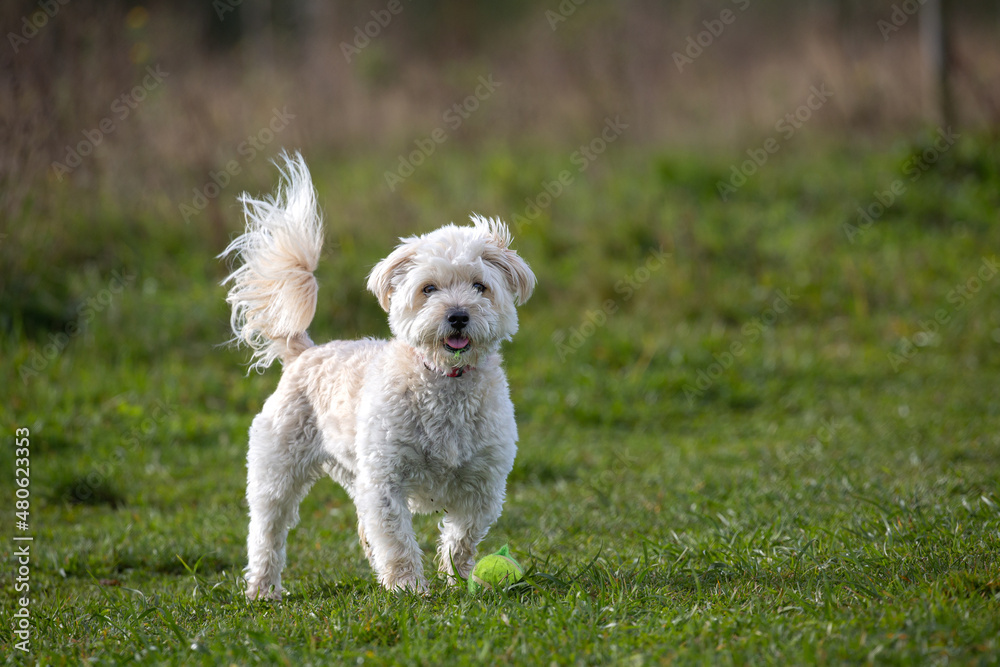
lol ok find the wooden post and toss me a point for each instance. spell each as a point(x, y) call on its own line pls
point(935, 30)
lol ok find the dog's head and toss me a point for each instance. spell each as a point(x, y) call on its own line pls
point(452, 293)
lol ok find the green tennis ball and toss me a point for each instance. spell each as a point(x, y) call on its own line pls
point(495, 572)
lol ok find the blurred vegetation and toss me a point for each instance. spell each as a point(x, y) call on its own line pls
point(563, 69)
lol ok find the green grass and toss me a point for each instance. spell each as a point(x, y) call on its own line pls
point(807, 498)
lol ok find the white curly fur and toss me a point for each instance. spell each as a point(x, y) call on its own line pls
point(274, 293)
point(406, 425)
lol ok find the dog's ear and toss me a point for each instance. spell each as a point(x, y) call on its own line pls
point(520, 279)
point(380, 280)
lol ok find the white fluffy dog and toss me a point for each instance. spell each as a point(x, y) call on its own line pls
point(419, 423)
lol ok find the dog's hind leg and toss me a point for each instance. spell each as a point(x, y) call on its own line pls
point(278, 478)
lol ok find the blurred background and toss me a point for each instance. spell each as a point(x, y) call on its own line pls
point(746, 146)
point(376, 76)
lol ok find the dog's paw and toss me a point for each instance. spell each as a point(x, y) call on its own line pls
point(261, 592)
point(408, 584)
point(460, 570)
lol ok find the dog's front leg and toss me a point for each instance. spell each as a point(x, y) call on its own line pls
point(461, 532)
point(386, 527)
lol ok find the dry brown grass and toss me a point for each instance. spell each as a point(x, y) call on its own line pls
point(557, 86)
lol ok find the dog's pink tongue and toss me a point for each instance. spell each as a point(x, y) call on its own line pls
point(457, 342)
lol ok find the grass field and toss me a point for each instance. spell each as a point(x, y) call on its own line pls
point(760, 430)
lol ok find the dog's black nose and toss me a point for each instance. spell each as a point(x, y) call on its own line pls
point(458, 319)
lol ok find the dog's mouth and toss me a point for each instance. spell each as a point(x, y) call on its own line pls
point(457, 343)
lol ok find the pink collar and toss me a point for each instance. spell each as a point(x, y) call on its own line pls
point(454, 372)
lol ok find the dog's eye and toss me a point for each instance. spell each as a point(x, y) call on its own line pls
point(479, 287)
point(429, 288)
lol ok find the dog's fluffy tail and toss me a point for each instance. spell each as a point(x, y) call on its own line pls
point(273, 293)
